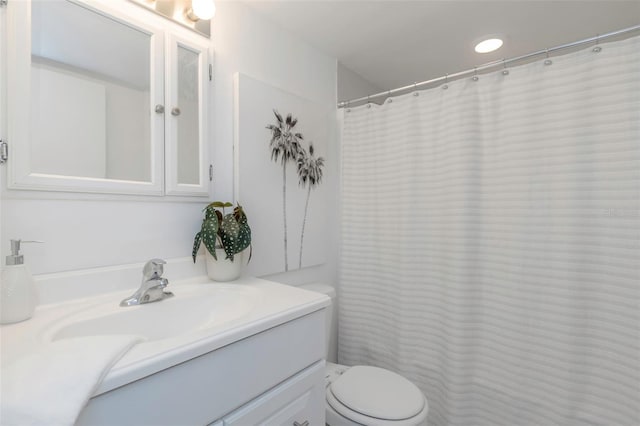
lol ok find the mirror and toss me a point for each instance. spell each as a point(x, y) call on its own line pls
point(90, 94)
point(105, 97)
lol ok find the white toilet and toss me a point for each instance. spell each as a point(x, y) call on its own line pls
point(363, 395)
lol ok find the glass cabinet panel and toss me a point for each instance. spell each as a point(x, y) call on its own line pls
point(188, 147)
point(186, 126)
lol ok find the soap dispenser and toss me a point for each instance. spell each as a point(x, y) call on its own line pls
point(17, 288)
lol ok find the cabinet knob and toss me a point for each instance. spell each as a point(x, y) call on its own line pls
point(305, 423)
point(175, 111)
point(160, 109)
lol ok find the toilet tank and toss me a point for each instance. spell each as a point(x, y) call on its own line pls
point(332, 318)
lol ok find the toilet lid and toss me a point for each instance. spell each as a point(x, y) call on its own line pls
point(379, 393)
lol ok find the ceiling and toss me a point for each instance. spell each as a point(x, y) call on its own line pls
point(394, 43)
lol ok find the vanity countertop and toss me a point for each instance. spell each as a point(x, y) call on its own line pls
point(182, 327)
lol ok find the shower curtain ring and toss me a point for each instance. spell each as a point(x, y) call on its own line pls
point(389, 100)
point(368, 101)
point(415, 90)
point(445, 86)
point(475, 74)
point(597, 48)
point(505, 71)
point(348, 109)
point(547, 61)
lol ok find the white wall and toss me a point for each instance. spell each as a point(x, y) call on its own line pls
point(98, 231)
point(352, 85)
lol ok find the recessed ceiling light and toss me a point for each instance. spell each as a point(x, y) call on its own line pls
point(488, 45)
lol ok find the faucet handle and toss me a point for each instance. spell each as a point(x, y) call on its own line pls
point(153, 268)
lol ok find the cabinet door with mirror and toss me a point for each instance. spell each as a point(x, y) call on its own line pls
point(87, 89)
point(186, 124)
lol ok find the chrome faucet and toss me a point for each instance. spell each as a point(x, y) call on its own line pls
point(152, 287)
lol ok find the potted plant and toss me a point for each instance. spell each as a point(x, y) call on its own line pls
point(225, 237)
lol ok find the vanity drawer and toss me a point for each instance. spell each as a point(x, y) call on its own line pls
point(298, 401)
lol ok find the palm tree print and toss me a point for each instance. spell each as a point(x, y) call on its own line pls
point(284, 145)
point(310, 175)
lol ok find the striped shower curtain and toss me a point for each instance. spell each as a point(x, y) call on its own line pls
point(491, 242)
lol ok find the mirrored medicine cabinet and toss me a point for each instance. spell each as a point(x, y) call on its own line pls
point(105, 97)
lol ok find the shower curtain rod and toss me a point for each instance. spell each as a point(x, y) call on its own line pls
point(482, 67)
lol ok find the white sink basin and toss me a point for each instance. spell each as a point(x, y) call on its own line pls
point(200, 318)
point(194, 308)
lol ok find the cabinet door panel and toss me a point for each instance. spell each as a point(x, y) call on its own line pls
point(187, 118)
point(82, 79)
point(299, 400)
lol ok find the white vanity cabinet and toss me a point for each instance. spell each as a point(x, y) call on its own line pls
point(275, 377)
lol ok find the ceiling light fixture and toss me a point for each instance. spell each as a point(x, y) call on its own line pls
point(488, 44)
point(201, 9)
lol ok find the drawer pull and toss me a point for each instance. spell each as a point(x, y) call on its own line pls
point(305, 423)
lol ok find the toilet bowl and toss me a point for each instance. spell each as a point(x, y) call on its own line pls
point(365, 395)
point(372, 396)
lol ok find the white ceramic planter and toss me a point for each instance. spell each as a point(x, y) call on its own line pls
point(224, 269)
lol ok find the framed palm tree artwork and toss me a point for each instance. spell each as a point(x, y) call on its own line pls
point(280, 145)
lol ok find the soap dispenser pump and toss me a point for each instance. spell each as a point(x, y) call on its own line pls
point(17, 288)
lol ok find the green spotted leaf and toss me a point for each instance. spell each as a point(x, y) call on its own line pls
point(229, 231)
point(209, 234)
point(244, 237)
point(196, 245)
